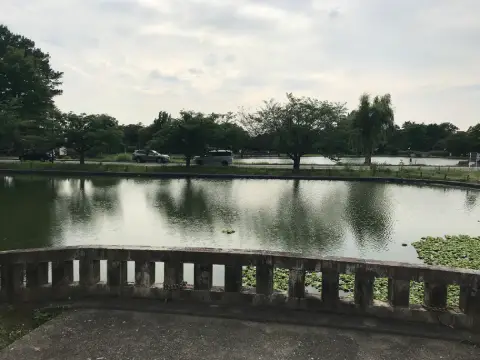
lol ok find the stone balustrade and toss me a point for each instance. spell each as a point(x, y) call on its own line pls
point(48, 275)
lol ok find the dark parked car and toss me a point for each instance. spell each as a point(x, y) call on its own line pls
point(35, 155)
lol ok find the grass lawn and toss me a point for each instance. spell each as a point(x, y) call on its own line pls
point(405, 172)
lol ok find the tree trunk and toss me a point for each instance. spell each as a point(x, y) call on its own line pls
point(187, 161)
point(368, 155)
point(368, 159)
point(82, 158)
point(296, 162)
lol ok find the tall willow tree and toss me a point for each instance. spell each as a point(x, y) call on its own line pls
point(371, 121)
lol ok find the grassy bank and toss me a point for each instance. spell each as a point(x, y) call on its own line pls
point(454, 251)
point(128, 157)
point(432, 173)
point(15, 322)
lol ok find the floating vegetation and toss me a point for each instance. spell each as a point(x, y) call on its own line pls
point(460, 251)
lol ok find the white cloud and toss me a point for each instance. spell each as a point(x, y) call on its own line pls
point(132, 58)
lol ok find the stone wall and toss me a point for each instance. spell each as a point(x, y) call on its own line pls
point(48, 275)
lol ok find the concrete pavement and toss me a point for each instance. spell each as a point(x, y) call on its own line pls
point(121, 334)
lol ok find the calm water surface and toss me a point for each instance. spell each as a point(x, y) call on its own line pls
point(320, 160)
point(355, 219)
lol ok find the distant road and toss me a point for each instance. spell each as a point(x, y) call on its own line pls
point(273, 166)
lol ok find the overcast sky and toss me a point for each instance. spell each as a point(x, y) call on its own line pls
point(132, 58)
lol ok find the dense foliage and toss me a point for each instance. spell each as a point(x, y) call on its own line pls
point(296, 127)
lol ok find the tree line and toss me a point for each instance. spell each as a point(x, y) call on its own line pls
point(294, 127)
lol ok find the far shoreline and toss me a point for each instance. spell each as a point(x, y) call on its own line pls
point(412, 176)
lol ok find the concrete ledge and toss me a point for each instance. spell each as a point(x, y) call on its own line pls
point(175, 175)
point(16, 264)
point(243, 257)
point(248, 299)
point(277, 315)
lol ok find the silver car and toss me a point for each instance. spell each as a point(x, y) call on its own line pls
point(215, 157)
point(142, 156)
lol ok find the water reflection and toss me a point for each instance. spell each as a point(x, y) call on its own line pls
point(83, 200)
point(312, 217)
point(27, 212)
point(196, 208)
point(368, 213)
point(471, 198)
point(300, 223)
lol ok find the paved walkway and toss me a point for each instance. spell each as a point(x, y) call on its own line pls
point(120, 335)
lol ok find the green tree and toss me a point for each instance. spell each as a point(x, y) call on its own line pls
point(9, 121)
point(28, 86)
point(131, 135)
point(190, 135)
point(300, 126)
point(148, 133)
point(459, 144)
point(228, 135)
point(371, 121)
point(85, 132)
point(474, 135)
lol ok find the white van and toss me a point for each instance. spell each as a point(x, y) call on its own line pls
point(215, 157)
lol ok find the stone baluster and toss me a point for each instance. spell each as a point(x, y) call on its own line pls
point(116, 273)
point(89, 269)
point(330, 286)
point(470, 300)
point(62, 273)
point(399, 292)
point(363, 291)
point(144, 273)
point(264, 276)
point(173, 273)
point(37, 274)
point(296, 283)
point(233, 278)
point(12, 280)
point(435, 295)
point(202, 276)
point(62, 278)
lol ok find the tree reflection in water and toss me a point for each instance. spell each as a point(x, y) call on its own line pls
point(27, 212)
point(298, 220)
point(300, 223)
point(369, 214)
point(86, 199)
point(200, 206)
point(471, 199)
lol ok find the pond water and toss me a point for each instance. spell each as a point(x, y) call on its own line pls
point(367, 220)
point(320, 160)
